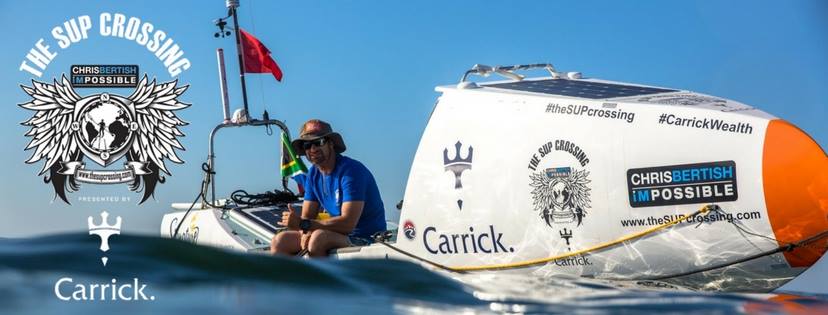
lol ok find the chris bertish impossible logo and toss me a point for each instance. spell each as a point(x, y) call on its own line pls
point(68, 130)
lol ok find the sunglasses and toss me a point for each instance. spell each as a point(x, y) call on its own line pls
point(312, 143)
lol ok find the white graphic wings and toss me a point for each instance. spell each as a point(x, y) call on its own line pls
point(158, 125)
point(54, 129)
point(576, 183)
point(52, 122)
point(580, 190)
point(541, 191)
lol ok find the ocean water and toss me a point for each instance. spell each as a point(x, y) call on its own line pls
point(182, 278)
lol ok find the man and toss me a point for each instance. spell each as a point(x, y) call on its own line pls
point(342, 186)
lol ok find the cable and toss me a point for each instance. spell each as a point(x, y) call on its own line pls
point(719, 210)
point(185, 215)
point(382, 237)
point(598, 247)
point(787, 248)
point(205, 186)
point(706, 209)
point(202, 194)
point(780, 248)
point(242, 198)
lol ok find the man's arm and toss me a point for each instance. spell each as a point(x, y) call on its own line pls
point(353, 186)
point(291, 219)
point(343, 224)
point(310, 209)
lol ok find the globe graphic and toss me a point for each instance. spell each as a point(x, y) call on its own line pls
point(106, 127)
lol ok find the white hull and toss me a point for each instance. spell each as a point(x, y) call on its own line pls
point(514, 178)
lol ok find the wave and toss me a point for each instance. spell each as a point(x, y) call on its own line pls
point(172, 263)
point(189, 278)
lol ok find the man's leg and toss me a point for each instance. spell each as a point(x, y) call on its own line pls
point(322, 241)
point(286, 243)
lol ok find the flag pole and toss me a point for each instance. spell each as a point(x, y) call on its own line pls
point(233, 5)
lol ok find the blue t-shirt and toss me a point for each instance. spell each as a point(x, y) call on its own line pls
point(349, 181)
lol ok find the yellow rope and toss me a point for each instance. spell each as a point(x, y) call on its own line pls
point(703, 210)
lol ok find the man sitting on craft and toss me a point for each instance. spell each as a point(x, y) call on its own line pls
point(337, 183)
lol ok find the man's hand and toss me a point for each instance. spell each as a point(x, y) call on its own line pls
point(290, 218)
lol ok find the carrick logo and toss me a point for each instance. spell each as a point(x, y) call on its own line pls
point(458, 165)
point(487, 242)
point(104, 231)
point(67, 289)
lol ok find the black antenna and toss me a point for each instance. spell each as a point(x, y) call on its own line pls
point(233, 6)
point(221, 23)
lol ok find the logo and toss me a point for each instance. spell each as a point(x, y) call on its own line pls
point(104, 231)
point(100, 76)
point(682, 184)
point(684, 99)
point(188, 235)
point(69, 130)
point(693, 99)
point(67, 289)
point(607, 111)
point(560, 194)
point(488, 242)
point(67, 127)
point(107, 291)
point(706, 123)
point(574, 261)
point(566, 235)
point(458, 165)
point(409, 230)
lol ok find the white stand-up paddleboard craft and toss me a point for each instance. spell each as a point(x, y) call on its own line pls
point(573, 175)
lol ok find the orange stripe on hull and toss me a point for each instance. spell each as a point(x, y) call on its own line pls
point(795, 177)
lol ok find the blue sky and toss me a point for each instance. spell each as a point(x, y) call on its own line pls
point(369, 68)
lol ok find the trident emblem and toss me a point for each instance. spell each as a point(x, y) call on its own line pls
point(566, 235)
point(104, 231)
point(458, 165)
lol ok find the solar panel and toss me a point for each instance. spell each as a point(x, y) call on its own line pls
point(577, 88)
point(272, 217)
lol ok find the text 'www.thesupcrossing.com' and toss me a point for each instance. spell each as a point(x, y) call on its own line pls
point(709, 218)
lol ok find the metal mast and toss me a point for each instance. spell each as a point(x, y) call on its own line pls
point(233, 6)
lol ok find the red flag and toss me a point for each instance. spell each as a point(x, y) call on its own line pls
point(257, 57)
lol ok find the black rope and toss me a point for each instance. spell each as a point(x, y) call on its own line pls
point(206, 169)
point(185, 215)
point(719, 210)
point(205, 186)
point(202, 194)
point(242, 198)
point(383, 236)
point(781, 248)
